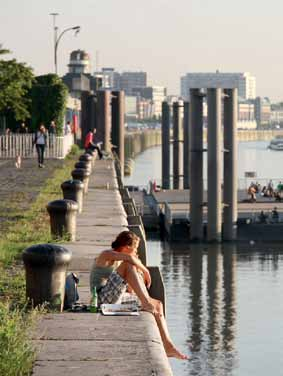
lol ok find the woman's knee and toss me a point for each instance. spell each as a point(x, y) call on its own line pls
point(124, 268)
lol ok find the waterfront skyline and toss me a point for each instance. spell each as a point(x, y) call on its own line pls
point(164, 39)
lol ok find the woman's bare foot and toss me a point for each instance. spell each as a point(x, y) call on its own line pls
point(172, 352)
point(148, 307)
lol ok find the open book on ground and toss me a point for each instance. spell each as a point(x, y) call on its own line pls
point(119, 309)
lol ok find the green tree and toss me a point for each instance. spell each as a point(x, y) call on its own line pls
point(15, 82)
point(49, 97)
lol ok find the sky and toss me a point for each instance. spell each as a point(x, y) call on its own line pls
point(165, 38)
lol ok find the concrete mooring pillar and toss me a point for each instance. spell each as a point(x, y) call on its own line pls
point(118, 125)
point(103, 118)
point(230, 165)
point(165, 145)
point(87, 113)
point(214, 194)
point(196, 164)
point(177, 131)
point(186, 153)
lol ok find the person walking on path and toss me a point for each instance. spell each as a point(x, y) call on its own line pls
point(118, 269)
point(40, 142)
point(90, 144)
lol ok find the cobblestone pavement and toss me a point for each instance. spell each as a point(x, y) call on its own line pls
point(19, 187)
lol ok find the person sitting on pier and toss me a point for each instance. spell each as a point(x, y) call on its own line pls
point(90, 144)
point(264, 192)
point(270, 188)
point(274, 215)
point(118, 269)
point(252, 190)
point(262, 217)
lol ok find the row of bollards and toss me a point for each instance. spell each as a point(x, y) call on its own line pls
point(63, 212)
point(46, 264)
point(135, 223)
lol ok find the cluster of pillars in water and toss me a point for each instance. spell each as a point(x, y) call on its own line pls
point(221, 200)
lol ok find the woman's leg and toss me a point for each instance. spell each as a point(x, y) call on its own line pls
point(42, 153)
point(129, 273)
point(38, 154)
point(98, 151)
point(169, 347)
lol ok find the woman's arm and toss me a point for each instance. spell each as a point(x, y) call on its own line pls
point(110, 255)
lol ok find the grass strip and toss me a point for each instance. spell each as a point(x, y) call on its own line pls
point(16, 320)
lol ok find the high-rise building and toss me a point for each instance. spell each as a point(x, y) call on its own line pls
point(155, 94)
point(131, 80)
point(262, 111)
point(244, 82)
point(125, 81)
point(276, 116)
point(110, 78)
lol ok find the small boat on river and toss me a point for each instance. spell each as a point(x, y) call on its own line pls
point(276, 143)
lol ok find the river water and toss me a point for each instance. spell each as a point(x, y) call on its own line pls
point(224, 302)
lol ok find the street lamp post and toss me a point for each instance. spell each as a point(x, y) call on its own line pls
point(76, 29)
point(55, 29)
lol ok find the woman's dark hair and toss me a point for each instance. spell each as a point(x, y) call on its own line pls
point(125, 238)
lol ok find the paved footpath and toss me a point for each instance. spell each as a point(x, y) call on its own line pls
point(87, 344)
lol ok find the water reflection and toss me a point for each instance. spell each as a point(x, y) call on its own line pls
point(213, 308)
point(195, 310)
point(204, 281)
point(214, 298)
point(229, 297)
point(218, 300)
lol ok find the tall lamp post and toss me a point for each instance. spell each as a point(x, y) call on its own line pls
point(76, 29)
point(58, 38)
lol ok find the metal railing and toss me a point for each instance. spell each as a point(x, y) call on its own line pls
point(243, 183)
point(22, 144)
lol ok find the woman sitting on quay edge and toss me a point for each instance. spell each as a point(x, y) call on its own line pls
point(118, 269)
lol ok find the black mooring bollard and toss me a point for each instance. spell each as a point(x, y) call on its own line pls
point(86, 157)
point(63, 216)
point(85, 165)
point(124, 192)
point(93, 154)
point(90, 152)
point(82, 175)
point(73, 190)
point(129, 206)
point(46, 266)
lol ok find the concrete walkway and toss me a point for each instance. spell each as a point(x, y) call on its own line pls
point(91, 344)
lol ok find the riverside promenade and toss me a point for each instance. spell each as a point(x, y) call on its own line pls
point(92, 344)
